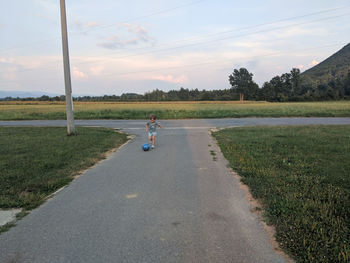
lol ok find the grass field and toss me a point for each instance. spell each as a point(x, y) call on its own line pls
point(35, 162)
point(301, 175)
point(171, 110)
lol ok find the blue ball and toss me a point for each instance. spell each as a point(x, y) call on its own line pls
point(145, 147)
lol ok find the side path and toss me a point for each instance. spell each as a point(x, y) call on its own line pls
point(172, 204)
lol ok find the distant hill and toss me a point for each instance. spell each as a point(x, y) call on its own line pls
point(336, 66)
point(24, 94)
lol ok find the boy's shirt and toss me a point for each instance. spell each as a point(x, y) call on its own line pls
point(152, 126)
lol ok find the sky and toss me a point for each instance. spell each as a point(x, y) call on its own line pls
point(137, 46)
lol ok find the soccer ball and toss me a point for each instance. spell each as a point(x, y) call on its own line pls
point(145, 147)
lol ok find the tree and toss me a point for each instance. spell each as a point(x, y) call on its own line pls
point(296, 81)
point(268, 92)
point(242, 82)
point(44, 98)
point(347, 85)
point(288, 86)
point(184, 94)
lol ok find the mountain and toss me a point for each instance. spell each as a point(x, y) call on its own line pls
point(336, 66)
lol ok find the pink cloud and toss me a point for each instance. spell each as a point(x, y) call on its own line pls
point(10, 73)
point(91, 24)
point(96, 70)
point(79, 74)
point(314, 63)
point(6, 60)
point(170, 78)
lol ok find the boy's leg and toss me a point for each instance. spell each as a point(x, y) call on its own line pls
point(153, 140)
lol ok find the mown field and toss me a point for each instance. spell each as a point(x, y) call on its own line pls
point(301, 175)
point(171, 110)
point(36, 161)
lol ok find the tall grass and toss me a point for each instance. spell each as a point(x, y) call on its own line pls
point(301, 176)
point(172, 110)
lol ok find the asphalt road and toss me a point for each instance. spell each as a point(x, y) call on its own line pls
point(194, 123)
point(172, 204)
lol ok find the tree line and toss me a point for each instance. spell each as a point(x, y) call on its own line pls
point(291, 86)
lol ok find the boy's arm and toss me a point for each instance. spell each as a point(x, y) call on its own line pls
point(160, 126)
point(147, 127)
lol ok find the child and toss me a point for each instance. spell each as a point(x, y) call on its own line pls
point(151, 127)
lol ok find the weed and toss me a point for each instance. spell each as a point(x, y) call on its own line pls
point(213, 153)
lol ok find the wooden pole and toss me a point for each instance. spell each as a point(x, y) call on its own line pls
point(67, 77)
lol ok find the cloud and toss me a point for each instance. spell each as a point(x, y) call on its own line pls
point(6, 60)
point(297, 31)
point(84, 27)
point(48, 18)
point(248, 44)
point(314, 62)
point(32, 62)
point(79, 25)
point(268, 37)
point(10, 73)
point(130, 35)
point(91, 24)
point(170, 78)
point(14, 68)
point(112, 42)
point(48, 5)
point(307, 65)
point(96, 70)
point(79, 74)
point(116, 74)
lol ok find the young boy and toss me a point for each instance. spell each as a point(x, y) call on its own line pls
point(151, 127)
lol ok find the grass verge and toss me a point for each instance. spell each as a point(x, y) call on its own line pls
point(301, 176)
point(37, 161)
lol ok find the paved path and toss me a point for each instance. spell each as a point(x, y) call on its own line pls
point(181, 124)
point(172, 204)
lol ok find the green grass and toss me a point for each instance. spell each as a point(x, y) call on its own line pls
point(35, 162)
point(172, 110)
point(301, 175)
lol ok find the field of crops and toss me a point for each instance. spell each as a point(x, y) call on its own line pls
point(171, 110)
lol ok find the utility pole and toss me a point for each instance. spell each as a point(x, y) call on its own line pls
point(67, 79)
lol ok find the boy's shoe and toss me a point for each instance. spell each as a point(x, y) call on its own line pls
point(152, 146)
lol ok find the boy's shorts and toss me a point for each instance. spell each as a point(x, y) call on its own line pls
point(150, 134)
